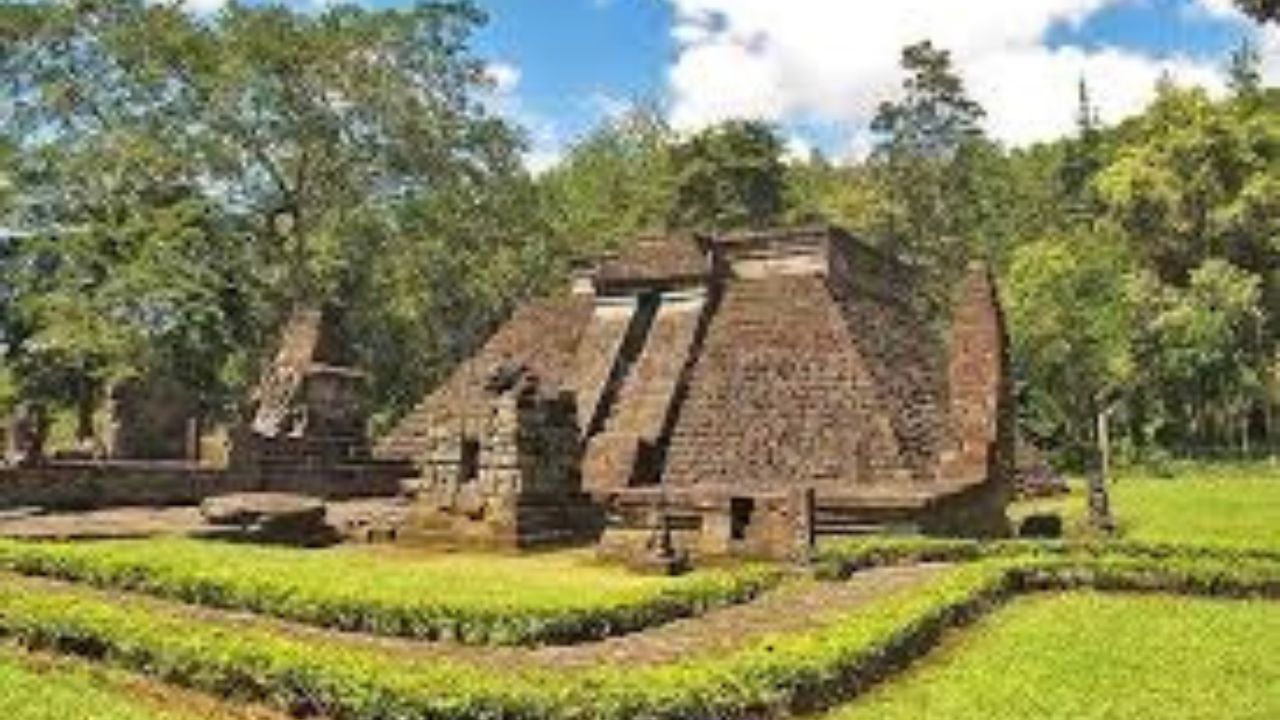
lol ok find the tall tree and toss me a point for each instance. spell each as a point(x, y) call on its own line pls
point(1260, 10)
point(728, 176)
point(1072, 316)
point(307, 142)
point(1083, 159)
point(1244, 70)
point(614, 184)
point(929, 162)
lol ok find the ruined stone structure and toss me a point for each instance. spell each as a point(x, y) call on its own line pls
point(749, 392)
point(305, 434)
point(152, 418)
point(306, 422)
point(506, 475)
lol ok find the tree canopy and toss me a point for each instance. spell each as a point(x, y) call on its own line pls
point(171, 186)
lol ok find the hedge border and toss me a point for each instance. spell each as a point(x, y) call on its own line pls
point(409, 619)
point(773, 678)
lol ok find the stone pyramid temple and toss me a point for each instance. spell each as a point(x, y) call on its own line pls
point(742, 391)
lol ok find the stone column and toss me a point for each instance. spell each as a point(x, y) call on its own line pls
point(802, 507)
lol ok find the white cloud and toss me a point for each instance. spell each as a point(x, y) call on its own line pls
point(797, 150)
point(203, 7)
point(207, 7)
point(504, 76)
point(609, 107)
point(1220, 9)
point(836, 60)
point(540, 160)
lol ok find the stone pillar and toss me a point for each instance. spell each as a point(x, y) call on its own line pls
point(982, 412)
point(193, 439)
point(802, 507)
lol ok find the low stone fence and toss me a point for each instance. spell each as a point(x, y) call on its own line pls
point(91, 485)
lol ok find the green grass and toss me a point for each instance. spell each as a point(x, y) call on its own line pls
point(1228, 505)
point(42, 688)
point(477, 598)
point(1088, 655)
point(1207, 504)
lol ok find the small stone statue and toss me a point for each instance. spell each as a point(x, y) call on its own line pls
point(1100, 504)
point(30, 430)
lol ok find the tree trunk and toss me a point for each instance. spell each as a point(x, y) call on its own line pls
point(1104, 444)
point(86, 403)
point(1099, 496)
point(1244, 432)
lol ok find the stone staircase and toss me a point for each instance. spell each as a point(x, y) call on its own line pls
point(637, 413)
point(611, 343)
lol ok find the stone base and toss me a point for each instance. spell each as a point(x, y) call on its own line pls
point(270, 518)
point(531, 523)
point(712, 522)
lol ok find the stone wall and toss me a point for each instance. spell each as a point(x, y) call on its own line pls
point(97, 485)
point(780, 396)
point(983, 420)
point(543, 335)
point(597, 356)
point(902, 354)
point(152, 419)
point(509, 476)
point(85, 486)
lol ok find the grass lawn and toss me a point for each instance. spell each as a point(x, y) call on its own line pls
point(38, 687)
point(1235, 505)
point(1087, 655)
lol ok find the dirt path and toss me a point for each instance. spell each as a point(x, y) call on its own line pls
point(796, 606)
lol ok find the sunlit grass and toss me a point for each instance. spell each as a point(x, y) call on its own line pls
point(1086, 655)
point(1237, 505)
point(475, 580)
point(475, 597)
point(41, 688)
point(1224, 504)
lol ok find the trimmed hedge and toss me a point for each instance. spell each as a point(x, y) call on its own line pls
point(773, 677)
point(572, 620)
point(842, 559)
point(344, 681)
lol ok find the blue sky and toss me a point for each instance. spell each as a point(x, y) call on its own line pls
point(818, 68)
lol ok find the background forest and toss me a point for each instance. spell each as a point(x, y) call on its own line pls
point(170, 187)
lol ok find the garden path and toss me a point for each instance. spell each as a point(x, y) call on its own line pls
point(796, 606)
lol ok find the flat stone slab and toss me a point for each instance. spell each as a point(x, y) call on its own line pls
point(352, 517)
point(246, 509)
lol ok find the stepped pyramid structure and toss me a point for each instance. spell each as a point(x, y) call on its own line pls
point(743, 390)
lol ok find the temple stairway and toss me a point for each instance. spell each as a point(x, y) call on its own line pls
point(635, 417)
point(617, 331)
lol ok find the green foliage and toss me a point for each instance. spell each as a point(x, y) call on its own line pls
point(465, 598)
point(727, 177)
point(845, 195)
point(351, 680)
point(1260, 10)
point(1069, 305)
point(1203, 351)
point(613, 185)
point(775, 676)
point(931, 164)
point(178, 184)
point(193, 179)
